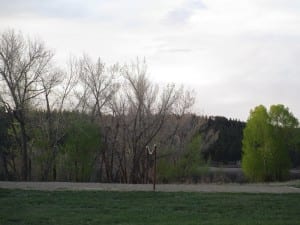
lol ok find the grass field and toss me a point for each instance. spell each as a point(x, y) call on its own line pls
point(87, 207)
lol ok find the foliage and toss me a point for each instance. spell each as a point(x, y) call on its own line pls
point(190, 163)
point(81, 207)
point(189, 166)
point(265, 143)
point(5, 144)
point(4, 131)
point(82, 142)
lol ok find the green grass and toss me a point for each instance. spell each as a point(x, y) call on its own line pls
point(76, 208)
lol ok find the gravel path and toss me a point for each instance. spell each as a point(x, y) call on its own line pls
point(241, 188)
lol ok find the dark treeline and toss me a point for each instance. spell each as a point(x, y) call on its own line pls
point(222, 139)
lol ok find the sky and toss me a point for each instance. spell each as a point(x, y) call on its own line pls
point(234, 54)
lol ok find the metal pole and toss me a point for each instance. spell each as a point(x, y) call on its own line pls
point(150, 152)
point(154, 173)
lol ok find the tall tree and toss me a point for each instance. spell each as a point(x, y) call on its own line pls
point(58, 89)
point(143, 110)
point(22, 64)
point(265, 143)
point(97, 87)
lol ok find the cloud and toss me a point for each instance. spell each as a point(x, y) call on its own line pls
point(181, 14)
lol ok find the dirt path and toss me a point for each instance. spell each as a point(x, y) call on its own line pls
point(241, 188)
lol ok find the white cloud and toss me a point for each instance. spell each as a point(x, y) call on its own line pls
point(182, 14)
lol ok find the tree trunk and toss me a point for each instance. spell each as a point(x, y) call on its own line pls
point(54, 171)
point(24, 168)
point(135, 172)
point(4, 160)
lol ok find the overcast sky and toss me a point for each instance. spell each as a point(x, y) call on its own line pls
point(235, 54)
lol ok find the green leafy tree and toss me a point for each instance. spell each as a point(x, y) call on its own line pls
point(190, 164)
point(80, 149)
point(266, 143)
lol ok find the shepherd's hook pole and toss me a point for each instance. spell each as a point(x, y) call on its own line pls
point(154, 173)
point(150, 152)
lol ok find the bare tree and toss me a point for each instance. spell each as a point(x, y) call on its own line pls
point(142, 110)
point(58, 86)
point(22, 65)
point(98, 85)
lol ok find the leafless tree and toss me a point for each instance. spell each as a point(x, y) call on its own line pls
point(142, 110)
point(22, 65)
point(97, 85)
point(96, 88)
point(58, 87)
